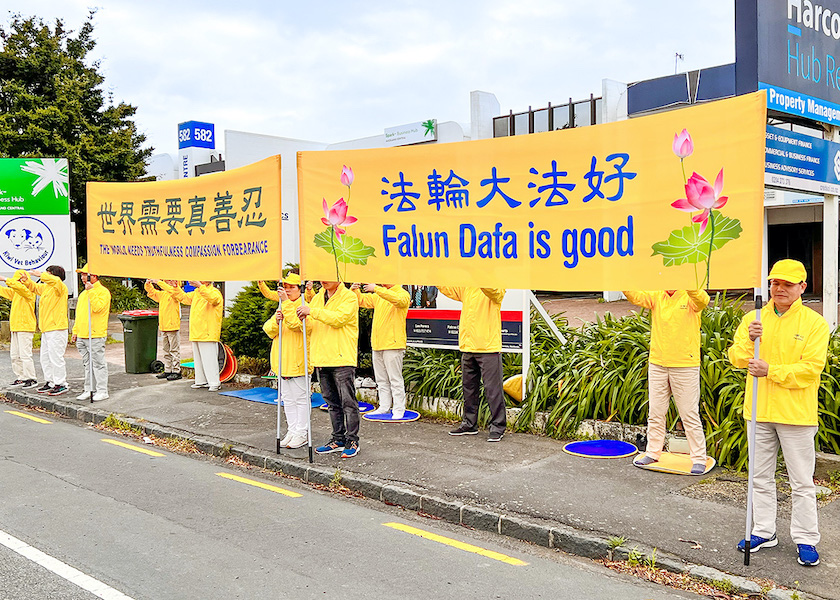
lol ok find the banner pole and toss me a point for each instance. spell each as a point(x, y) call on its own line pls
point(90, 342)
point(279, 362)
point(308, 382)
point(751, 439)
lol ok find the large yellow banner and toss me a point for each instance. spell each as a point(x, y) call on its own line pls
point(219, 227)
point(670, 201)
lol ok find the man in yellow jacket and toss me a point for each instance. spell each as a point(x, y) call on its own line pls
point(89, 333)
point(674, 369)
point(22, 325)
point(290, 370)
point(480, 342)
point(388, 341)
point(792, 354)
point(169, 323)
point(52, 321)
point(335, 351)
point(206, 312)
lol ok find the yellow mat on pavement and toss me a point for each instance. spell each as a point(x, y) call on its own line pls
point(678, 464)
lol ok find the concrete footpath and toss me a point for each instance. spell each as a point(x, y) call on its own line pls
point(525, 486)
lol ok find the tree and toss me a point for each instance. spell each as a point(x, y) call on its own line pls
point(52, 105)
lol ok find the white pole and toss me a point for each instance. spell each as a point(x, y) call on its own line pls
point(90, 340)
point(751, 440)
point(308, 384)
point(526, 339)
point(279, 365)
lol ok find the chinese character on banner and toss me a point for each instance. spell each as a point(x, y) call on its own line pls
point(223, 213)
point(453, 190)
point(406, 198)
point(126, 216)
point(596, 179)
point(196, 214)
point(252, 220)
point(557, 188)
point(106, 214)
point(149, 217)
point(173, 215)
point(495, 180)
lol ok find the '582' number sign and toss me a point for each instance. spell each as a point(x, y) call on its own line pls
point(194, 134)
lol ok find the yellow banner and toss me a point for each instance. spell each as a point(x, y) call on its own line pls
point(670, 201)
point(219, 227)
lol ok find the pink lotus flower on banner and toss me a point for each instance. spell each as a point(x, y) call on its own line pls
point(336, 216)
point(702, 196)
point(347, 176)
point(683, 145)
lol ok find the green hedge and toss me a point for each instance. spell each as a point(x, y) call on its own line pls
point(601, 373)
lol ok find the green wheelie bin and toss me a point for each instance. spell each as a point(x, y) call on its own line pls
point(140, 329)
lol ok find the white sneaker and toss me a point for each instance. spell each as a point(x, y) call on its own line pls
point(215, 388)
point(99, 396)
point(396, 415)
point(379, 411)
point(284, 443)
point(83, 396)
point(197, 386)
point(297, 441)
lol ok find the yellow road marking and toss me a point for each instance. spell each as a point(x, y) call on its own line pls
point(456, 544)
point(132, 447)
point(30, 417)
point(259, 484)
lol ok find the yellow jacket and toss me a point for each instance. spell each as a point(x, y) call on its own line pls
point(273, 295)
point(335, 328)
point(52, 314)
point(22, 313)
point(169, 309)
point(292, 340)
point(480, 326)
point(674, 325)
point(206, 311)
point(795, 345)
point(390, 307)
point(100, 307)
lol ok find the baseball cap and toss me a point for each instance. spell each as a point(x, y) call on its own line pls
point(788, 269)
point(292, 279)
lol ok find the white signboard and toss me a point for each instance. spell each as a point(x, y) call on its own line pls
point(35, 242)
point(412, 133)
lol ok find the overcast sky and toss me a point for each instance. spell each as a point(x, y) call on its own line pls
point(334, 71)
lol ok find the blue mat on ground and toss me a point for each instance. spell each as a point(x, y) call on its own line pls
point(188, 365)
point(265, 395)
point(363, 407)
point(601, 449)
point(410, 415)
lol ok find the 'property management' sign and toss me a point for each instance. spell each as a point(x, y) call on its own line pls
point(791, 49)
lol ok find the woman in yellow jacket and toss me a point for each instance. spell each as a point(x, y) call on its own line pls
point(206, 311)
point(22, 325)
point(89, 333)
point(169, 319)
point(52, 321)
point(480, 342)
point(291, 374)
point(388, 341)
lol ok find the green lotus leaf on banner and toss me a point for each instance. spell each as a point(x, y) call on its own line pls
point(347, 249)
point(689, 246)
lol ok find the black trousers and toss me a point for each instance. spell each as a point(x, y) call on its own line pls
point(339, 390)
point(487, 367)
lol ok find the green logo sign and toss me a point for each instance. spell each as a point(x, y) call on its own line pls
point(34, 186)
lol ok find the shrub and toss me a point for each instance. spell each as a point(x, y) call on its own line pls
point(252, 366)
point(124, 298)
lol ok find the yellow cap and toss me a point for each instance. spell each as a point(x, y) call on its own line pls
point(292, 279)
point(84, 269)
point(788, 269)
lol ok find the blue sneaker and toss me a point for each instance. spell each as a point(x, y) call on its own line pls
point(329, 448)
point(351, 450)
point(808, 555)
point(757, 543)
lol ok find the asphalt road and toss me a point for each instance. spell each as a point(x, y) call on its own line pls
point(131, 525)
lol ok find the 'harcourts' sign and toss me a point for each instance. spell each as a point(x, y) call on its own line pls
point(791, 49)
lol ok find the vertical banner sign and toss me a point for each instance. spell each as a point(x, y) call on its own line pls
point(219, 227)
point(670, 201)
point(34, 214)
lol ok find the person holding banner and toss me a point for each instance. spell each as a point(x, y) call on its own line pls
point(89, 333)
point(480, 342)
point(335, 351)
point(170, 326)
point(267, 292)
point(290, 370)
point(674, 369)
point(388, 341)
point(22, 326)
point(52, 321)
point(206, 311)
point(792, 354)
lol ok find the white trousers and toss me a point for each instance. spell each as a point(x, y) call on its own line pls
point(53, 347)
point(296, 405)
point(388, 372)
point(21, 354)
point(797, 443)
point(206, 360)
point(684, 384)
point(96, 352)
point(171, 351)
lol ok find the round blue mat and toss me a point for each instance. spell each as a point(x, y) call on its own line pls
point(363, 407)
point(601, 449)
point(410, 415)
